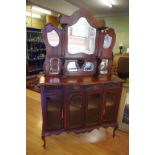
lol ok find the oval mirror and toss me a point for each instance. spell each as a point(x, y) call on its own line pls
point(81, 37)
point(107, 41)
point(53, 38)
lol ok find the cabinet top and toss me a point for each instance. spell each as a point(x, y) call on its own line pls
point(48, 80)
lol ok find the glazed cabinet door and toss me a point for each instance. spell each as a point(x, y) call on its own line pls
point(93, 107)
point(111, 103)
point(75, 108)
point(54, 114)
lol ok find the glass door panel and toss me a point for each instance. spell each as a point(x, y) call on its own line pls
point(110, 104)
point(54, 112)
point(75, 111)
point(92, 114)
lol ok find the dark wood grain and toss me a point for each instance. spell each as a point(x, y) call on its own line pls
point(79, 101)
point(106, 53)
point(83, 87)
point(70, 20)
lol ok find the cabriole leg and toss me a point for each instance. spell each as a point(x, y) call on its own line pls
point(44, 142)
point(115, 128)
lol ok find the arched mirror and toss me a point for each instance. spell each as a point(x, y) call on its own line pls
point(53, 38)
point(81, 37)
point(107, 41)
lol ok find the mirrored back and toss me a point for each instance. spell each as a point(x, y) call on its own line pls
point(81, 37)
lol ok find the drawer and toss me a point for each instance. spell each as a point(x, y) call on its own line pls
point(112, 85)
point(84, 87)
point(93, 87)
point(51, 89)
point(73, 88)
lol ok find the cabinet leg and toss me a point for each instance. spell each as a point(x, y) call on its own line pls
point(44, 142)
point(115, 128)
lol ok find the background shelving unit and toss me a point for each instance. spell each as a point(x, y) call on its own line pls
point(35, 52)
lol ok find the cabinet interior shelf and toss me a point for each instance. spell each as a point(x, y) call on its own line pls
point(35, 41)
point(36, 49)
point(36, 59)
point(38, 69)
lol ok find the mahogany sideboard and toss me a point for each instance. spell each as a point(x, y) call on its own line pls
point(78, 93)
point(79, 104)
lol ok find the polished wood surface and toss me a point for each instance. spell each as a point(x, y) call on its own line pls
point(70, 20)
point(49, 80)
point(64, 90)
point(64, 94)
point(97, 142)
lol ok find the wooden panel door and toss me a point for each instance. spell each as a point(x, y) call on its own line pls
point(111, 102)
point(75, 110)
point(54, 108)
point(92, 115)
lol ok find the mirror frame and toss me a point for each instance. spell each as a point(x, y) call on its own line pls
point(106, 52)
point(67, 21)
point(52, 51)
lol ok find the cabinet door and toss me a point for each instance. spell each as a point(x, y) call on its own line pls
point(75, 110)
point(54, 111)
point(111, 103)
point(93, 108)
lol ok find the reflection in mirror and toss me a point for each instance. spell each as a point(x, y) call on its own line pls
point(54, 66)
point(81, 37)
point(103, 66)
point(72, 66)
point(89, 66)
point(53, 38)
point(107, 41)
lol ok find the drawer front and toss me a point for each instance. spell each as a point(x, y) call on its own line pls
point(73, 88)
point(94, 87)
point(112, 85)
point(51, 89)
point(84, 87)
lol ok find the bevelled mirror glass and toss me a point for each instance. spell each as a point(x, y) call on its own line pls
point(71, 67)
point(81, 37)
point(54, 66)
point(103, 66)
point(53, 38)
point(107, 41)
point(89, 66)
